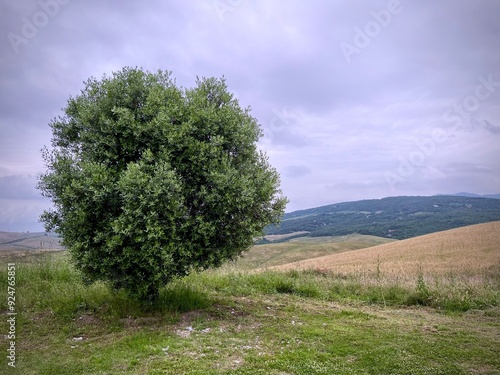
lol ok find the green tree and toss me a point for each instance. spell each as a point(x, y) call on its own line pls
point(150, 181)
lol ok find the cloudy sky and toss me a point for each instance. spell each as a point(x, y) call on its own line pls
point(357, 99)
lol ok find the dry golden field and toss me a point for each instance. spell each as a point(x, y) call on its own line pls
point(471, 251)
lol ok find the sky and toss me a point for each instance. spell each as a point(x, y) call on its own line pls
point(356, 99)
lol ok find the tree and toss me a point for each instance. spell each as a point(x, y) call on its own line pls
point(150, 182)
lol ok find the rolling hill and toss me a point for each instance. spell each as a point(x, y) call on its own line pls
point(28, 241)
point(472, 249)
point(465, 194)
point(296, 249)
point(393, 217)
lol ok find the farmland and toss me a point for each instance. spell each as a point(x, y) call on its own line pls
point(468, 250)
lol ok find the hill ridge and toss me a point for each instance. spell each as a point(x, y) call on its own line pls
point(391, 217)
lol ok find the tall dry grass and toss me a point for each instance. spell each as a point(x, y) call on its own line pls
point(473, 250)
point(458, 265)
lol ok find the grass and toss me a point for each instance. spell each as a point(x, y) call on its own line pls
point(302, 248)
point(463, 250)
point(237, 321)
point(281, 237)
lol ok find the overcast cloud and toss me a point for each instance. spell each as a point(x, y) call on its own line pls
point(357, 99)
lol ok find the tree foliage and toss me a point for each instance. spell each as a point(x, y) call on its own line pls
point(150, 181)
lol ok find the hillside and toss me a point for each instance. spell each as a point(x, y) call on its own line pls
point(27, 243)
point(393, 217)
point(472, 249)
point(465, 194)
point(296, 249)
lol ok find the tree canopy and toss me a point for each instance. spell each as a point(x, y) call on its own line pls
point(150, 181)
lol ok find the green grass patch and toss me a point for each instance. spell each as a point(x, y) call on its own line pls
point(220, 322)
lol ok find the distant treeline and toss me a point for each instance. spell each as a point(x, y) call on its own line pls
point(394, 217)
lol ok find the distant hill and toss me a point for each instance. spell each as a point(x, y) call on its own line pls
point(474, 249)
point(29, 241)
point(393, 217)
point(464, 194)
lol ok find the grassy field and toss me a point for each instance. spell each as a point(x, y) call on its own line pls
point(303, 248)
point(238, 321)
point(474, 248)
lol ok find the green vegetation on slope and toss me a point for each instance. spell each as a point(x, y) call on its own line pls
point(394, 217)
point(302, 248)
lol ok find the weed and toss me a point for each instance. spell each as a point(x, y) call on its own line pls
point(422, 296)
